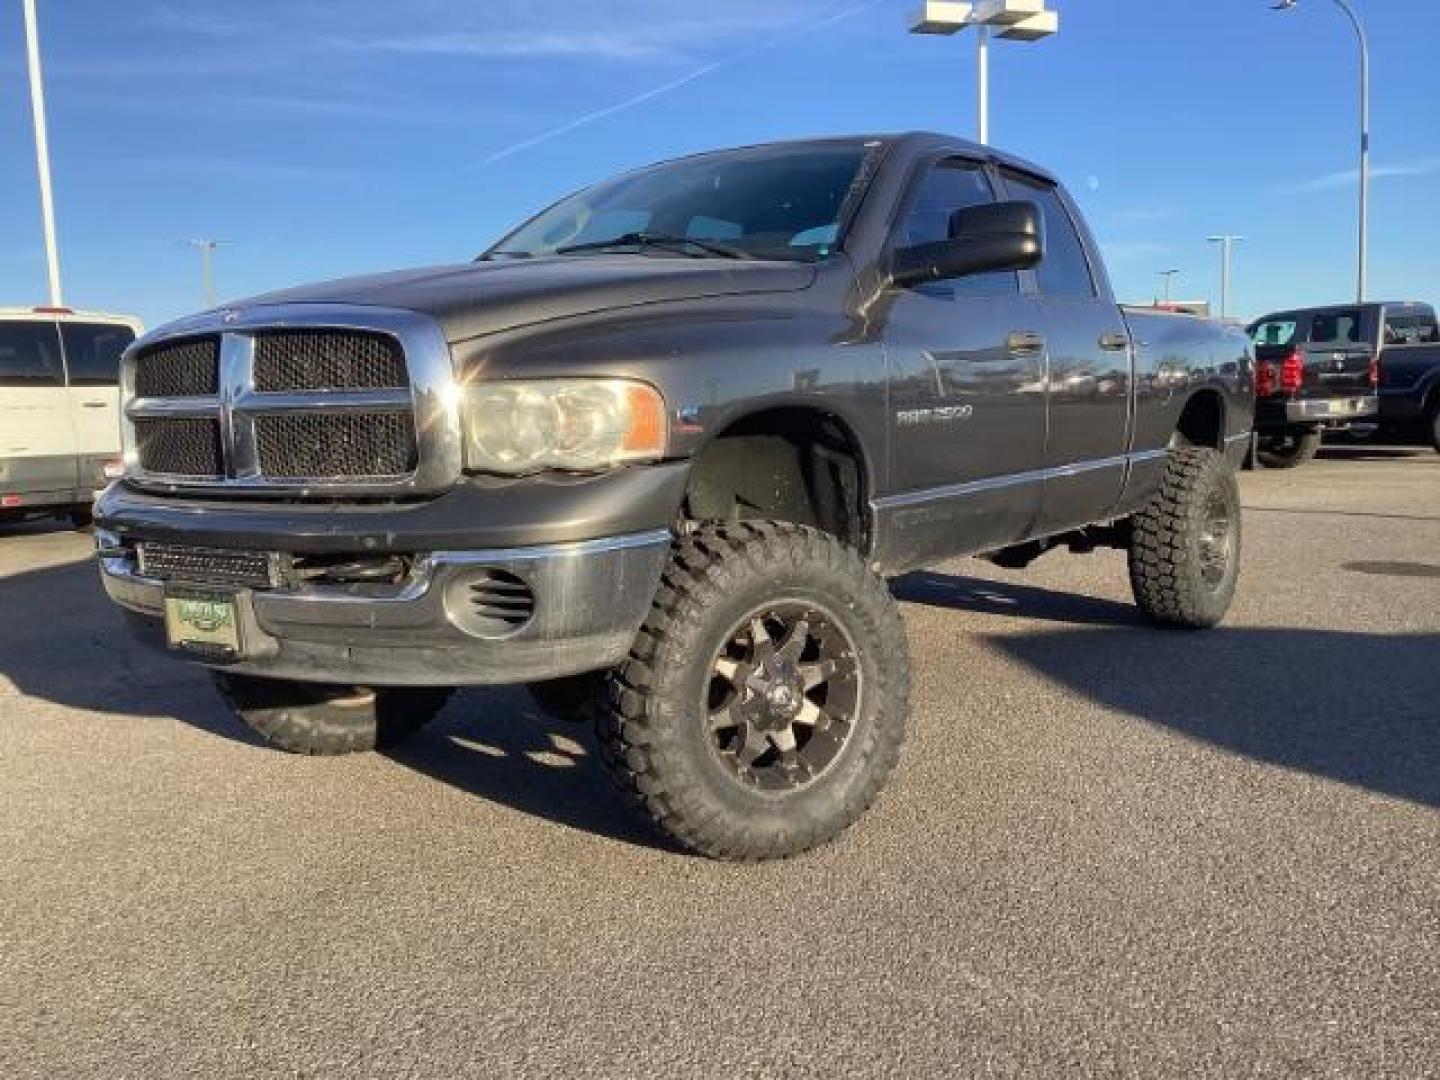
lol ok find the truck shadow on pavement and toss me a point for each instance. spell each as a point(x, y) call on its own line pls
point(63, 642)
point(1363, 709)
point(959, 593)
point(496, 744)
point(1354, 707)
point(1357, 708)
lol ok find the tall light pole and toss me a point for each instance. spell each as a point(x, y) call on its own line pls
point(1013, 20)
point(207, 248)
point(1363, 269)
point(42, 152)
point(1165, 276)
point(1227, 244)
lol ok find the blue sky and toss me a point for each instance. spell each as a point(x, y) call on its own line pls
point(328, 138)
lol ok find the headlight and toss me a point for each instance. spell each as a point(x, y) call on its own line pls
point(575, 424)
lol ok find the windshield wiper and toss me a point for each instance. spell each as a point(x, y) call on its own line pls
point(657, 240)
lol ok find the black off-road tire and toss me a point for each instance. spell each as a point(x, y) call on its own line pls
point(655, 733)
point(1434, 421)
point(1288, 451)
point(326, 720)
point(1185, 562)
point(575, 697)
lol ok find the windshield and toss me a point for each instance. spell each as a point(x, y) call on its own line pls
point(786, 203)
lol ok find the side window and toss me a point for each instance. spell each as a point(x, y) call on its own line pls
point(1064, 274)
point(92, 352)
point(1335, 327)
point(947, 187)
point(30, 355)
point(1410, 328)
point(1274, 332)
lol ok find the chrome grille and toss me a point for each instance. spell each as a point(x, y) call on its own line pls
point(299, 446)
point(207, 566)
point(179, 446)
point(179, 369)
point(317, 400)
point(328, 360)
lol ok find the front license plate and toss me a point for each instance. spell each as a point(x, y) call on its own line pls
point(202, 619)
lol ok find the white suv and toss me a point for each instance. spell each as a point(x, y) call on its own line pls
point(59, 408)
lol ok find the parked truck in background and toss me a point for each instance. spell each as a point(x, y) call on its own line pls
point(1315, 368)
point(59, 409)
point(656, 451)
point(1408, 348)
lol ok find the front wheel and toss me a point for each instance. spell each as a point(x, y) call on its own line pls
point(1288, 451)
point(326, 720)
point(763, 705)
point(1185, 543)
point(1435, 424)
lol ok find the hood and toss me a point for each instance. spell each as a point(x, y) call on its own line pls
point(472, 299)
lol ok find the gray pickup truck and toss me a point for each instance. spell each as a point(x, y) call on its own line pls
point(655, 452)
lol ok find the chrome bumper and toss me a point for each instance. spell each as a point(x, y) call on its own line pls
point(1347, 408)
point(589, 601)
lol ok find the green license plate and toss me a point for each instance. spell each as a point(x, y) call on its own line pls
point(203, 620)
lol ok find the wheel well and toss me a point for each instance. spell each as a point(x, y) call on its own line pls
point(790, 464)
point(1202, 422)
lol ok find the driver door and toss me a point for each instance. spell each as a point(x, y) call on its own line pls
point(967, 366)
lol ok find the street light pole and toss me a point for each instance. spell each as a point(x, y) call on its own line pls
point(1227, 243)
point(1165, 276)
point(207, 248)
point(1363, 268)
point(42, 152)
point(1013, 20)
point(982, 66)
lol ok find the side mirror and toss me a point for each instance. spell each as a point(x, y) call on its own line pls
point(994, 236)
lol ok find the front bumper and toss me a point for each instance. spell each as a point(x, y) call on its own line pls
point(590, 598)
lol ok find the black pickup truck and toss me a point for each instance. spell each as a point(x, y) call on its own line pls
point(653, 454)
point(1315, 368)
point(1408, 347)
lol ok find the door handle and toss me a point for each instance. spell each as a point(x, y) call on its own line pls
point(1114, 342)
point(1024, 343)
point(93, 404)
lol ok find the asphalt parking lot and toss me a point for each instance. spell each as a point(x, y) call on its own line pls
point(1109, 850)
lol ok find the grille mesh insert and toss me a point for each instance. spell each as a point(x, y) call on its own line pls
point(328, 360)
point(179, 369)
point(299, 446)
point(168, 562)
point(179, 446)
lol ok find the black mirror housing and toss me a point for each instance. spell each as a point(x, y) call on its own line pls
point(993, 236)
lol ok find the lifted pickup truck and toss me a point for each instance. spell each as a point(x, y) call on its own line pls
point(1315, 368)
point(653, 454)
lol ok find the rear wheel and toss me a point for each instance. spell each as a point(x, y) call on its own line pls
point(763, 705)
point(325, 719)
point(1185, 544)
point(1288, 451)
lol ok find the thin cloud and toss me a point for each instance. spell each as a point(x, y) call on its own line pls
point(596, 44)
point(1348, 178)
point(673, 85)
